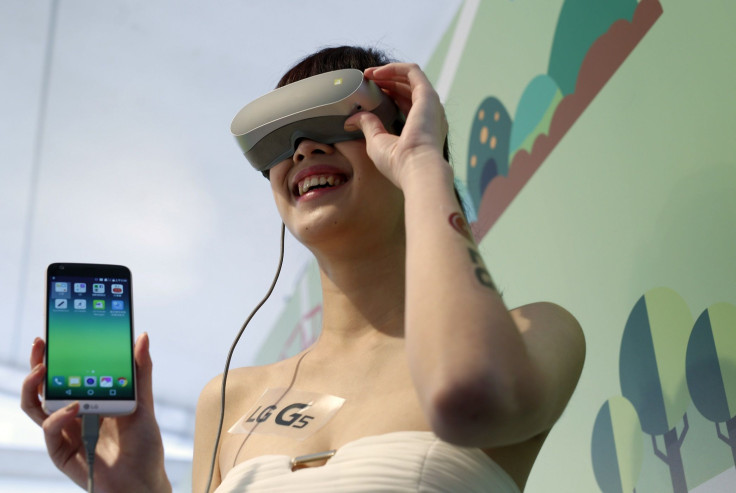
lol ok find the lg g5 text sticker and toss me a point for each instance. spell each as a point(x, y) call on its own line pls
point(291, 413)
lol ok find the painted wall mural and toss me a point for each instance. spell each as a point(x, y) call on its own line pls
point(711, 370)
point(667, 362)
point(589, 45)
point(592, 140)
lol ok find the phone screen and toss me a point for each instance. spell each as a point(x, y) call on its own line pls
point(89, 334)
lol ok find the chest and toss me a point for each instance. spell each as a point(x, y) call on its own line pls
point(287, 425)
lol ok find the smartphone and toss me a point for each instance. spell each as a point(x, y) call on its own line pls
point(89, 339)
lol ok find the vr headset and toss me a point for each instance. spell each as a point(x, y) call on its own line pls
point(269, 129)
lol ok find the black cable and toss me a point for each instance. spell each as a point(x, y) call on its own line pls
point(230, 356)
point(90, 433)
point(276, 403)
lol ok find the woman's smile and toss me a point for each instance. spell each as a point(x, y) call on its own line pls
point(314, 181)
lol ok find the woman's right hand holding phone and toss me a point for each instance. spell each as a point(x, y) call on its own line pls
point(129, 454)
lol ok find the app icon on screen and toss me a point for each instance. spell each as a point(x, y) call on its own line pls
point(118, 305)
point(57, 381)
point(80, 287)
point(98, 288)
point(105, 381)
point(116, 289)
point(98, 304)
point(80, 304)
point(75, 381)
point(122, 381)
point(90, 381)
point(60, 303)
point(61, 287)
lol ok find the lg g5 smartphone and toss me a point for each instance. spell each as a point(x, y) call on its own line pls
point(89, 339)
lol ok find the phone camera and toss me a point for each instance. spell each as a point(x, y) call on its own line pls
point(61, 267)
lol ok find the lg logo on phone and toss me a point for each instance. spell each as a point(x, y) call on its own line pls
point(92, 407)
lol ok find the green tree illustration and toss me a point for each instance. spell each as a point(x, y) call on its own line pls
point(652, 373)
point(616, 447)
point(711, 369)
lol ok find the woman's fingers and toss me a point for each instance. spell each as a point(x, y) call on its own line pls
point(29, 400)
point(396, 71)
point(425, 128)
point(409, 87)
point(395, 88)
point(377, 139)
point(37, 351)
point(400, 93)
point(144, 371)
point(62, 432)
point(408, 76)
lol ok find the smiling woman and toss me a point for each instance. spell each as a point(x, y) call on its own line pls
point(429, 366)
point(421, 379)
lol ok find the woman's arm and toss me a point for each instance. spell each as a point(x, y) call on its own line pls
point(485, 377)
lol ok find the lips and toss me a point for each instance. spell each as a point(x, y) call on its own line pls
point(316, 178)
point(317, 181)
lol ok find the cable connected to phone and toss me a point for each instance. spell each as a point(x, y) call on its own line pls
point(230, 356)
point(90, 433)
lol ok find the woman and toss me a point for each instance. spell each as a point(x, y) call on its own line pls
point(444, 388)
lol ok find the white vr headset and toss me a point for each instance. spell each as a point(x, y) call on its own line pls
point(269, 129)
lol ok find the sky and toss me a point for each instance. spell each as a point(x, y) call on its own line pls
point(122, 154)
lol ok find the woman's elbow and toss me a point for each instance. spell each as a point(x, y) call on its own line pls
point(480, 413)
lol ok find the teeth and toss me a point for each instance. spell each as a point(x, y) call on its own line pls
point(305, 185)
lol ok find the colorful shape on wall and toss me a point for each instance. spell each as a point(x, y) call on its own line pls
point(590, 44)
point(652, 372)
point(711, 369)
point(534, 112)
point(579, 25)
point(616, 448)
point(489, 146)
point(666, 362)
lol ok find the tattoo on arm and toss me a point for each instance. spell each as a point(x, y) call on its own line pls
point(459, 224)
point(480, 270)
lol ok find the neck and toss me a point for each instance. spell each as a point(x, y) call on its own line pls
point(363, 298)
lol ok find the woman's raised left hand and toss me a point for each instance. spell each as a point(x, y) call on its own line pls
point(422, 139)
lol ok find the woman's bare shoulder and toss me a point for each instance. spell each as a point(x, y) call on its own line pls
point(245, 381)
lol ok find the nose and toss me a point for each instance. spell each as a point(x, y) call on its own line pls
point(306, 148)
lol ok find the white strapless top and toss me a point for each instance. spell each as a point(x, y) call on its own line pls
point(404, 461)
